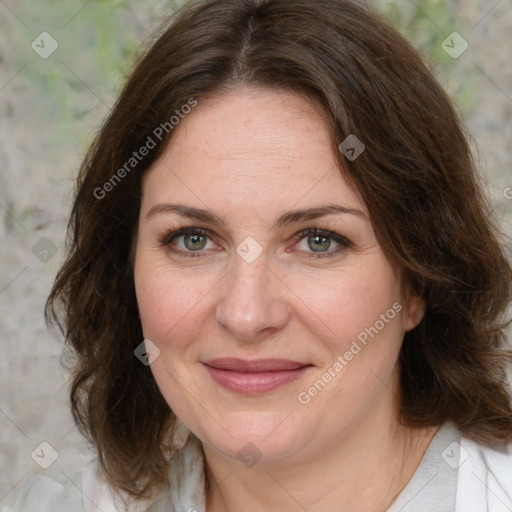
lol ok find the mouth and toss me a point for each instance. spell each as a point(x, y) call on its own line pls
point(256, 376)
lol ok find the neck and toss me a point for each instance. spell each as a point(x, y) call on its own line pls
point(361, 470)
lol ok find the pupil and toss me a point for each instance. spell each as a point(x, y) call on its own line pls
point(319, 243)
point(195, 242)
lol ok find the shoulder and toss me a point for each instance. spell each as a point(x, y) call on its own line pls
point(485, 477)
point(87, 491)
point(84, 491)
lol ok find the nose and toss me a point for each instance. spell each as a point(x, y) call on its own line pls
point(253, 304)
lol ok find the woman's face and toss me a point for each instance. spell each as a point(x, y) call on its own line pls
point(279, 261)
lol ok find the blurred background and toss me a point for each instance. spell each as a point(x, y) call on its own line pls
point(61, 67)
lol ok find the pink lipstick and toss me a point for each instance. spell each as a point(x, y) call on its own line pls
point(256, 376)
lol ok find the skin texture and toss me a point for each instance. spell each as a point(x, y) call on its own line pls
point(249, 156)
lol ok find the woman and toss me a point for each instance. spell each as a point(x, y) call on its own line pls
point(275, 208)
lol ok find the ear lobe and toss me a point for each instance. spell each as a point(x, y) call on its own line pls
point(414, 311)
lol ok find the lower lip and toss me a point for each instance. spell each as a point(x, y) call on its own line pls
point(254, 383)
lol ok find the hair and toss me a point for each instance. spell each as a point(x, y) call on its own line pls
point(417, 177)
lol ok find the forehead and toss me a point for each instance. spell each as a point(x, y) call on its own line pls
point(254, 148)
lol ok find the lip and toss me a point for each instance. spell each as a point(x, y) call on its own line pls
point(256, 376)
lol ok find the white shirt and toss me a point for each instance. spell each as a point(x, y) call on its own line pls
point(478, 478)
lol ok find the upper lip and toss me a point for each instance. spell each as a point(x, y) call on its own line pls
point(254, 366)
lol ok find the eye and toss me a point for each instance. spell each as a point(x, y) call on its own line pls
point(315, 243)
point(187, 241)
point(194, 241)
point(319, 243)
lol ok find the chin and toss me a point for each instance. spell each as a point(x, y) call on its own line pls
point(252, 435)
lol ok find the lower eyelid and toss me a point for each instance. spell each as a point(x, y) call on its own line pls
point(325, 254)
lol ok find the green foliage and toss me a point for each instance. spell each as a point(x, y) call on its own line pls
point(427, 23)
point(99, 41)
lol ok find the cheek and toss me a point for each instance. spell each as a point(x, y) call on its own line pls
point(171, 303)
point(358, 319)
point(341, 305)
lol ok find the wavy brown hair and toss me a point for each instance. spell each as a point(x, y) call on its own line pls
point(417, 178)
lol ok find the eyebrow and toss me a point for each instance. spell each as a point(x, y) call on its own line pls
point(291, 217)
point(296, 216)
point(186, 211)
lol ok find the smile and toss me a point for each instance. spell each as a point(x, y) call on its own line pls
point(254, 377)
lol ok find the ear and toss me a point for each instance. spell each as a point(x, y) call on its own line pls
point(414, 311)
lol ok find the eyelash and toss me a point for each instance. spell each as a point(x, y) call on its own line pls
point(165, 239)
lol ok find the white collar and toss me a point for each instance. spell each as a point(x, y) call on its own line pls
point(186, 475)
